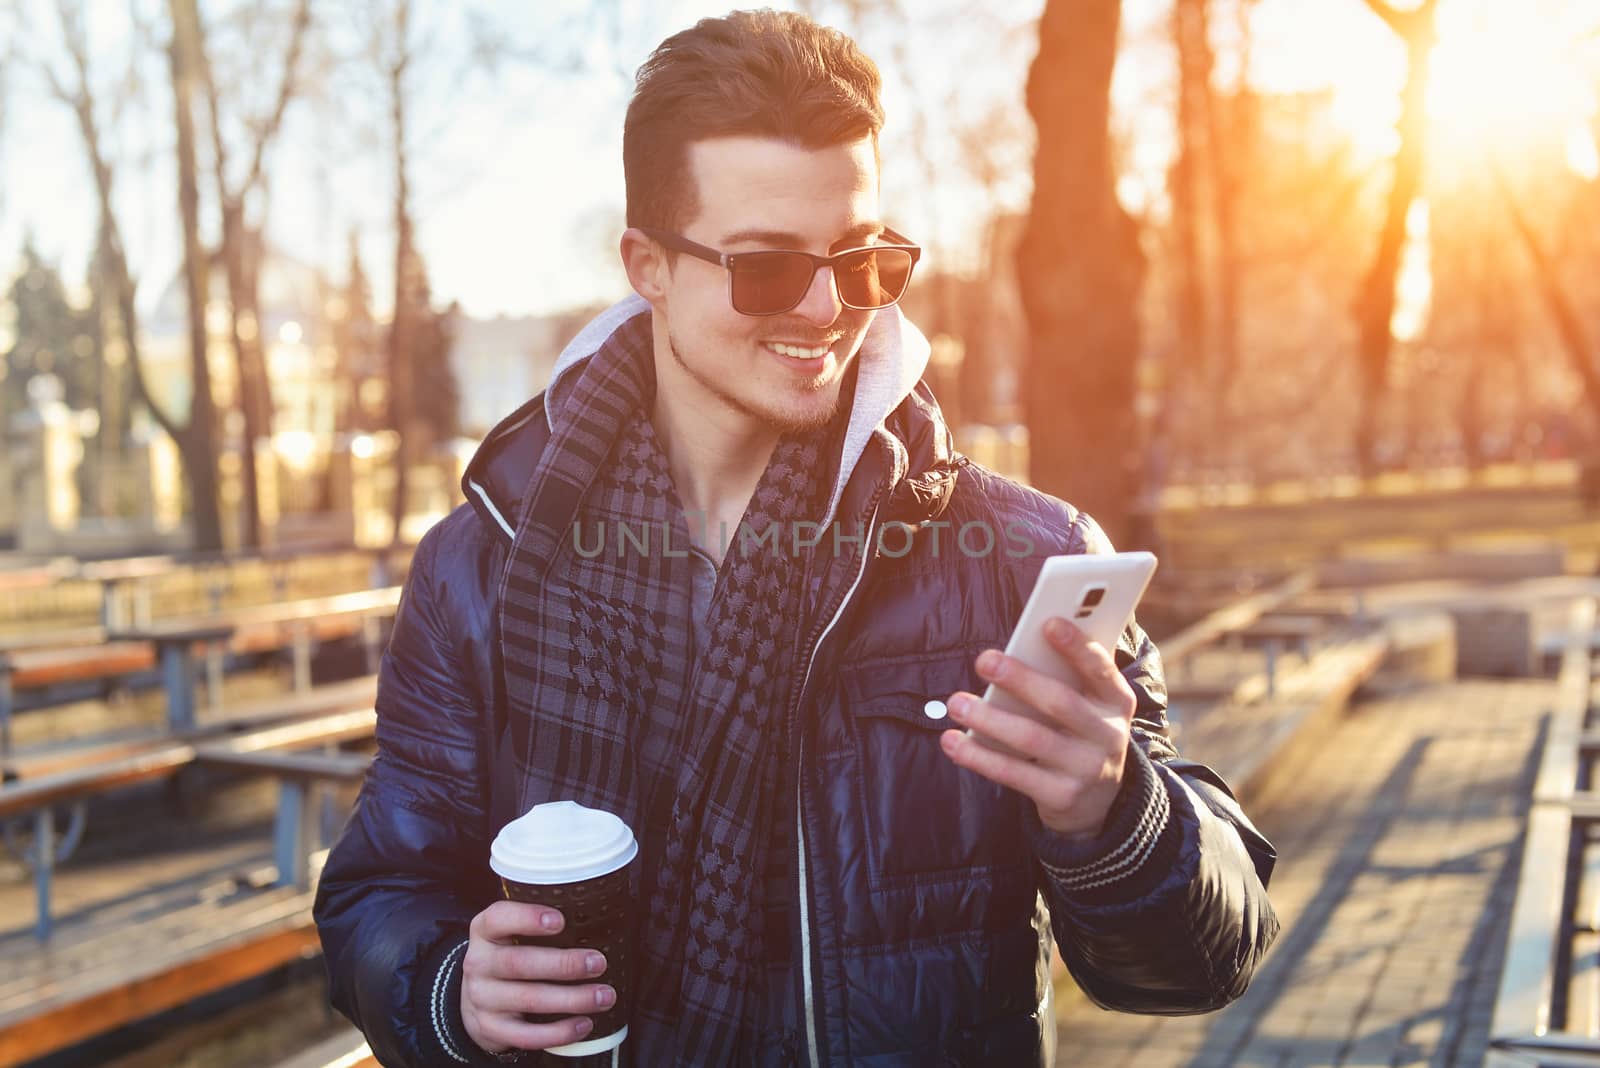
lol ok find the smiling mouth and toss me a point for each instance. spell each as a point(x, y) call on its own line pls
point(799, 352)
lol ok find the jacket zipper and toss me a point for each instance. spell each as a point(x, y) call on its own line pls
point(799, 823)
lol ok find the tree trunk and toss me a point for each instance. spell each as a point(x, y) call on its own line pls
point(1231, 127)
point(255, 390)
point(1080, 267)
point(195, 452)
point(1375, 305)
point(200, 453)
point(1185, 403)
point(1194, 107)
point(400, 325)
point(241, 254)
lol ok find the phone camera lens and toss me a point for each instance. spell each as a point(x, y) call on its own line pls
point(1094, 597)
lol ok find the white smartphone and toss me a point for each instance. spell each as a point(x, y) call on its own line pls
point(1097, 592)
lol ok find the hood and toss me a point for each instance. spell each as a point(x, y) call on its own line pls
point(891, 404)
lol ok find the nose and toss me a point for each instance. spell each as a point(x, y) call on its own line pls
point(821, 304)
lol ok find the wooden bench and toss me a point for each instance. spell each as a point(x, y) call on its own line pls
point(349, 694)
point(141, 954)
point(138, 957)
point(125, 574)
point(1232, 617)
point(299, 625)
point(52, 659)
point(40, 796)
point(347, 1049)
point(295, 625)
point(179, 646)
point(298, 774)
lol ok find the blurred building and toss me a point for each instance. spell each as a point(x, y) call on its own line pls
point(503, 361)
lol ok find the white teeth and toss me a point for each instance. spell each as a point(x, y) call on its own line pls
point(797, 352)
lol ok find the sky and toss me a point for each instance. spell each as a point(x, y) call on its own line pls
point(518, 173)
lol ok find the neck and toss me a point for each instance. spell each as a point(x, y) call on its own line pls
point(716, 457)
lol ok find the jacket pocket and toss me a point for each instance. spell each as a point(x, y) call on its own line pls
point(924, 818)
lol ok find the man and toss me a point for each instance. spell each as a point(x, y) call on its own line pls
point(830, 873)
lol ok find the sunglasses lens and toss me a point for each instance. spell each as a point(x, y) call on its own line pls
point(765, 283)
point(873, 278)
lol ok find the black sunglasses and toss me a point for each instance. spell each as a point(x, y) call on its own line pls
point(771, 282)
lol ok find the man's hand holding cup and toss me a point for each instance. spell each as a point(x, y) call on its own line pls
point(531, 978)
point(503, 977)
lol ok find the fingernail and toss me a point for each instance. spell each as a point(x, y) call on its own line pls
point(595, 963)
point(585, 1025)
point(604, 996)
point(957, 707)
point(550, 921)
point(989, 662)
point(1059, 628)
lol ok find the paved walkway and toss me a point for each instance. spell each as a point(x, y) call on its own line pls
point(1399, 846)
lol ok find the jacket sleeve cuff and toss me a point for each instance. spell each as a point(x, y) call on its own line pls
point(1127, 859)
point(443, 1012)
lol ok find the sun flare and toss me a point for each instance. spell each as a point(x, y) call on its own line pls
point(1505, 78)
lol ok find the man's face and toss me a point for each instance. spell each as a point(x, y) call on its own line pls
point(779, 372)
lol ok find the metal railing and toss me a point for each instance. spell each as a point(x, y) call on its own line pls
point(1547, 1009)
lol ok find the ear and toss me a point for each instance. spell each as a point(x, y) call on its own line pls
point(646, 265)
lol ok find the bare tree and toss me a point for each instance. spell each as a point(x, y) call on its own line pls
point(195, 436)
point(1375, 304)
point(1575, 341)
point(1231, 133)
point(1187, 182)
point(1081, 269)
point(241, 245)
point(395, 53)
point(183, 54)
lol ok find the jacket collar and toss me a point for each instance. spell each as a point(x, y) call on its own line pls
point(896, 430)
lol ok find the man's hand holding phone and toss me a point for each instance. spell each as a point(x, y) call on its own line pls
point(1075, 742)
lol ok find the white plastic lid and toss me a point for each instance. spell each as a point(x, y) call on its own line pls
point(561, 842)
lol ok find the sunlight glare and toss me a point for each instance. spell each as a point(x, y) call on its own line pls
point(1413, 291)
point(1503, 77)
point(1583, 158)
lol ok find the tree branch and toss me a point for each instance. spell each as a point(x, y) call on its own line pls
point(81, 102)
point(286, 89)
point(1405, 24)
point(1568, 322)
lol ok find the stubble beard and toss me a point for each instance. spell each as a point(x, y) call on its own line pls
point(781, 422)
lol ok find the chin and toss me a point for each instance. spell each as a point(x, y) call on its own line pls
point(816, 413)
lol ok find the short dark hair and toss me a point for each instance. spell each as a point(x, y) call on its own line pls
point(749, 73)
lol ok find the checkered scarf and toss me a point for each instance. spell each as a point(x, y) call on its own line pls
point(597, 658)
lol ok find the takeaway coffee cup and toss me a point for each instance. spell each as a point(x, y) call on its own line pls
point(575, 859)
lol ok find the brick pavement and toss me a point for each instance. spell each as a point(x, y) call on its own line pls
point(1399, 844)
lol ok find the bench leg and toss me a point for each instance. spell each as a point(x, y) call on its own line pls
point(372, 642)
point(214, 654)
point(302, 658)
point(44, 845)
point(177, 674)
point(290, 845)
point(110, 615)
point(6, 699)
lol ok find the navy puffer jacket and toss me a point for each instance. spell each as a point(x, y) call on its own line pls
point(928, 896)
